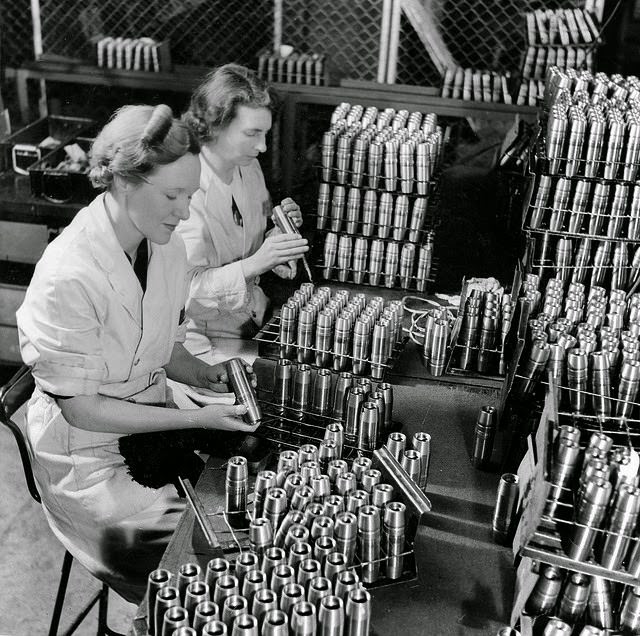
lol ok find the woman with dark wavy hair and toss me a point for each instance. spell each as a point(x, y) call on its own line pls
point(227, 244)
point(102, 327)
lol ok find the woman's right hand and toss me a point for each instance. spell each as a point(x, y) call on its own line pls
point(276, 250)
point(224, 417)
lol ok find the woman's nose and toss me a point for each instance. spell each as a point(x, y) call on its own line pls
point(262, 144)
point(182, 210)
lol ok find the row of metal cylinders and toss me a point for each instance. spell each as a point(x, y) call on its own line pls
point(581, 206)
point(562, 26)
point(305, 477)
point(354, 114)
point(294, 69)
point(475, 85)
point(250, 598)
point(529, 93)
point(341, 334)
point(565, 313)
point(486, 321)
point(573, 598)
point(360, 413)
point(378, 260)
point(609, 263)
point(367, 213)
point(539, 58)
point(404, 162)
point(582, 136)
point(587, 379)
point(607, 500)
point(564, 86)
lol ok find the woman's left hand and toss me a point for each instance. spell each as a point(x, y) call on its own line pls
point(292, 210)
point(217, 379)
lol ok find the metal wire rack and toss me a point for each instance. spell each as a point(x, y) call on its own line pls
point(609, 170)
point(289, 428)
point(270, 346)
point(232, 539)
point(364, 180)
point(458, 350)
point(583, 235)
point(376, 227)
point(555, 528)
point(348, 275)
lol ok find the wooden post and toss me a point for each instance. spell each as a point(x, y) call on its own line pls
point(277, 26)
point(37, 52)
point(394, 40)
point(383, 55)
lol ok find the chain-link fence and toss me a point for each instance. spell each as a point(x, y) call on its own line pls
point(16, 35)
point(477, 33)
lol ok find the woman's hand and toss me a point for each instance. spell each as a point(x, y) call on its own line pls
point(224, 417)
point(292, 210)
point(216, 378)
point(287, 271)
point(277, 249)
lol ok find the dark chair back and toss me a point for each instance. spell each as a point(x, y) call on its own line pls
point(12, 395)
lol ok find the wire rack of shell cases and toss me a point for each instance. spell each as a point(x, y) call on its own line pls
point(333, 330)
point(343, 415)
point(564, 38)
point(377, 197)
point(582, 218)
point(580, 512)
point(479, 335)
point(295, 537)
point(293, 68)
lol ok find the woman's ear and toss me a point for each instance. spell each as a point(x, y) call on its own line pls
point(121, 183)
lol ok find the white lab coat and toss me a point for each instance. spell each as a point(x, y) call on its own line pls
point(221, 303)
point(81, 331)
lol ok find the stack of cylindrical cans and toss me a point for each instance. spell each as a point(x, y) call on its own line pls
point(601, 480)
point(476, 85)
point(387, 150)
point(378, 172)
point(358, 412)
point(484, 327)
point(589, 342)
point(295, 68)
point(340, 332)
point(371, 214)
point(378, 262)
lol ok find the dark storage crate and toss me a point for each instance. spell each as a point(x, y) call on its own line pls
point(59, 185)
point(58, 127)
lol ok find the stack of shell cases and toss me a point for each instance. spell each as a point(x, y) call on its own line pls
point(376, 199)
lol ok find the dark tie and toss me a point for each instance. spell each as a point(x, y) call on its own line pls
point(140, 266)
point(237, 217)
